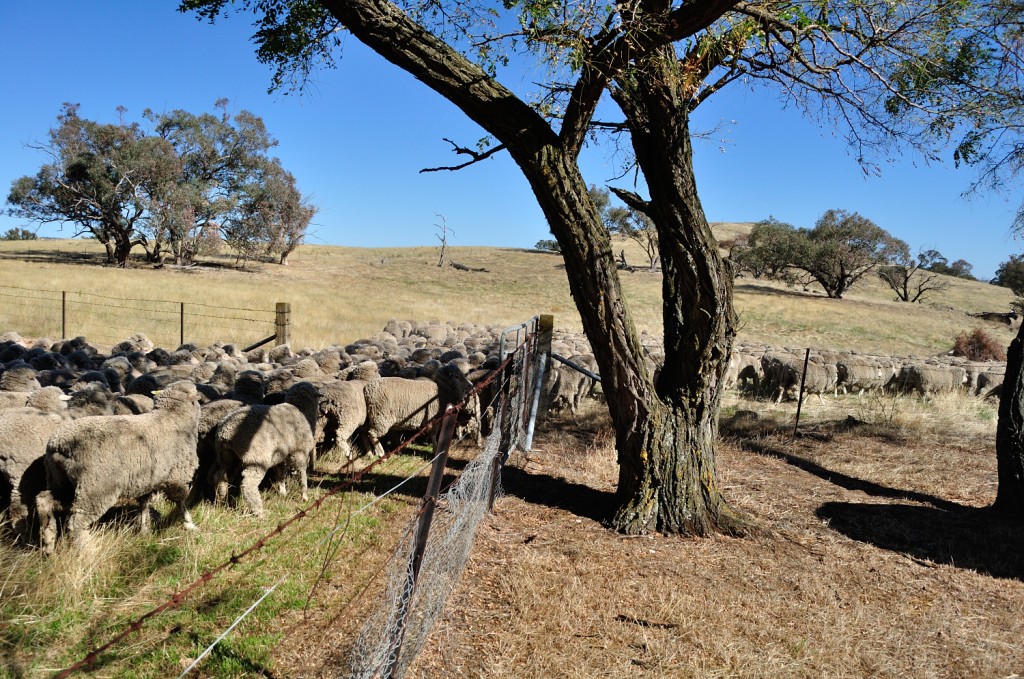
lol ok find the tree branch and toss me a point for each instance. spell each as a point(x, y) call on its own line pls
point(475, 155)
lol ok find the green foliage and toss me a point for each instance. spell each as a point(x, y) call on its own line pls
point(181, 187)
point(548, 245)
point(770, 250)
point(19, 234)
point(1010, 274)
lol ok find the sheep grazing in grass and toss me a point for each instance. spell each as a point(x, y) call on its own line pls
point(94, 463)
point(397, 404)
point(931, 378)
point(257, 438)
point(341, 412)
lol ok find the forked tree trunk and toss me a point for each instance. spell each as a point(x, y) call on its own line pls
point(665, 436)
point(1010, 435)
point(670, 484)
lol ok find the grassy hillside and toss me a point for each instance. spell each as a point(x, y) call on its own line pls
point(339, 294)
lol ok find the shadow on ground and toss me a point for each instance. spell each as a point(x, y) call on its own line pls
point(550, 491)
point(964, 537)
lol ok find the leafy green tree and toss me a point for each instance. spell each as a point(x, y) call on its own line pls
point(842, 248)
point(769, 251)
point(19, 234)
point(548, 245)
point(657, 60)
point(936, 263)
point(172, 189)
point(1010, 274)
point(98, 179)
point(911, 279)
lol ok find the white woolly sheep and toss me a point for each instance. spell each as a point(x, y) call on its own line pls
point(397, 404)
point(94, 463)
point(257, 438)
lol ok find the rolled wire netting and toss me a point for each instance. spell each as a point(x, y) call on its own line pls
point(398, 628)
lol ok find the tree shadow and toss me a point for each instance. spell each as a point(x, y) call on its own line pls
point(550, 491)
point(55, 256)
point(849, 482)
point(759, 289)
point(936, 530)
point(964, 537)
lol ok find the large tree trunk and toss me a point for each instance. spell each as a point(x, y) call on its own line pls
point(1010, 434)
point(665, 437)
point(670, 484)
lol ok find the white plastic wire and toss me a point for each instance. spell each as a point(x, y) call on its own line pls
point(235, 624)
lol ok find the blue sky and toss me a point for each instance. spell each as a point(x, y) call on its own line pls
point(358, 138)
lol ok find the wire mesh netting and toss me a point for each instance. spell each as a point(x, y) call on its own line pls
point(398, 628)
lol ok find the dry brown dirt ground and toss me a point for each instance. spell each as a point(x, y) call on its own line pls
point(872, 555)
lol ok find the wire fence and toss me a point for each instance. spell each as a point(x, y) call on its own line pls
point(433, 549)
point(108, 319)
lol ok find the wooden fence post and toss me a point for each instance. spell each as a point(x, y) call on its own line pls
point(444, 440)
point(283, 323)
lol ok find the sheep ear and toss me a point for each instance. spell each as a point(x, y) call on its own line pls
point(65, 397)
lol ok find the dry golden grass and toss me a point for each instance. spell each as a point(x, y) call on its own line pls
point(872, 558)
point(341, 294)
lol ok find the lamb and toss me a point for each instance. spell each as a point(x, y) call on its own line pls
point(257, 438)
point(95, 462)
point(398, 404)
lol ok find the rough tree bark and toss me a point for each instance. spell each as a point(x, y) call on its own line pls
point(1010, 435)
point(678, 460)
point(664, 436)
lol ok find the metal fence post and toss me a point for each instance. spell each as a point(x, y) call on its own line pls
point(181, 332)
point(283, 323)
point(542, 347)
point(444, 440)
point(63, 314)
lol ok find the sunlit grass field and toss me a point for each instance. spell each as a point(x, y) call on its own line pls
point(52, 611)
point(340, 294)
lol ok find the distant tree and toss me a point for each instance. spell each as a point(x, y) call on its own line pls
point(165, 190)
point(443, 230)
point(769, 251)
point(97, 179)
point(548, 245)
point(961, 268)
point(842, 248)
point(1010, 274)
point(218, 157)
point(271, 217)
point(19, 234)
point(637, 227)
point(912, 278)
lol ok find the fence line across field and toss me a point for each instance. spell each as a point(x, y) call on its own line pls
point(431, 556)
point(44, 313)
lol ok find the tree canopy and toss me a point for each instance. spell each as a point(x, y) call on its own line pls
point(1010, 274)
point(183, 186)
point(881, 72)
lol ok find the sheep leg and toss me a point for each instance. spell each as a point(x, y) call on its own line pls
point(144, 522)
point(46, 508)
point(219, 481)
point(17, 513)
point(251, 477)
point(303, 482)
point(180, 496)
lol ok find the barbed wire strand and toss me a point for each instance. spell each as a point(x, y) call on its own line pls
point(178, 597)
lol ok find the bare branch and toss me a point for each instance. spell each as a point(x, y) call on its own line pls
point(476, 156)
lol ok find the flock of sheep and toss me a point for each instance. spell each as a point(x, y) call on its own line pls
point(83, 429)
